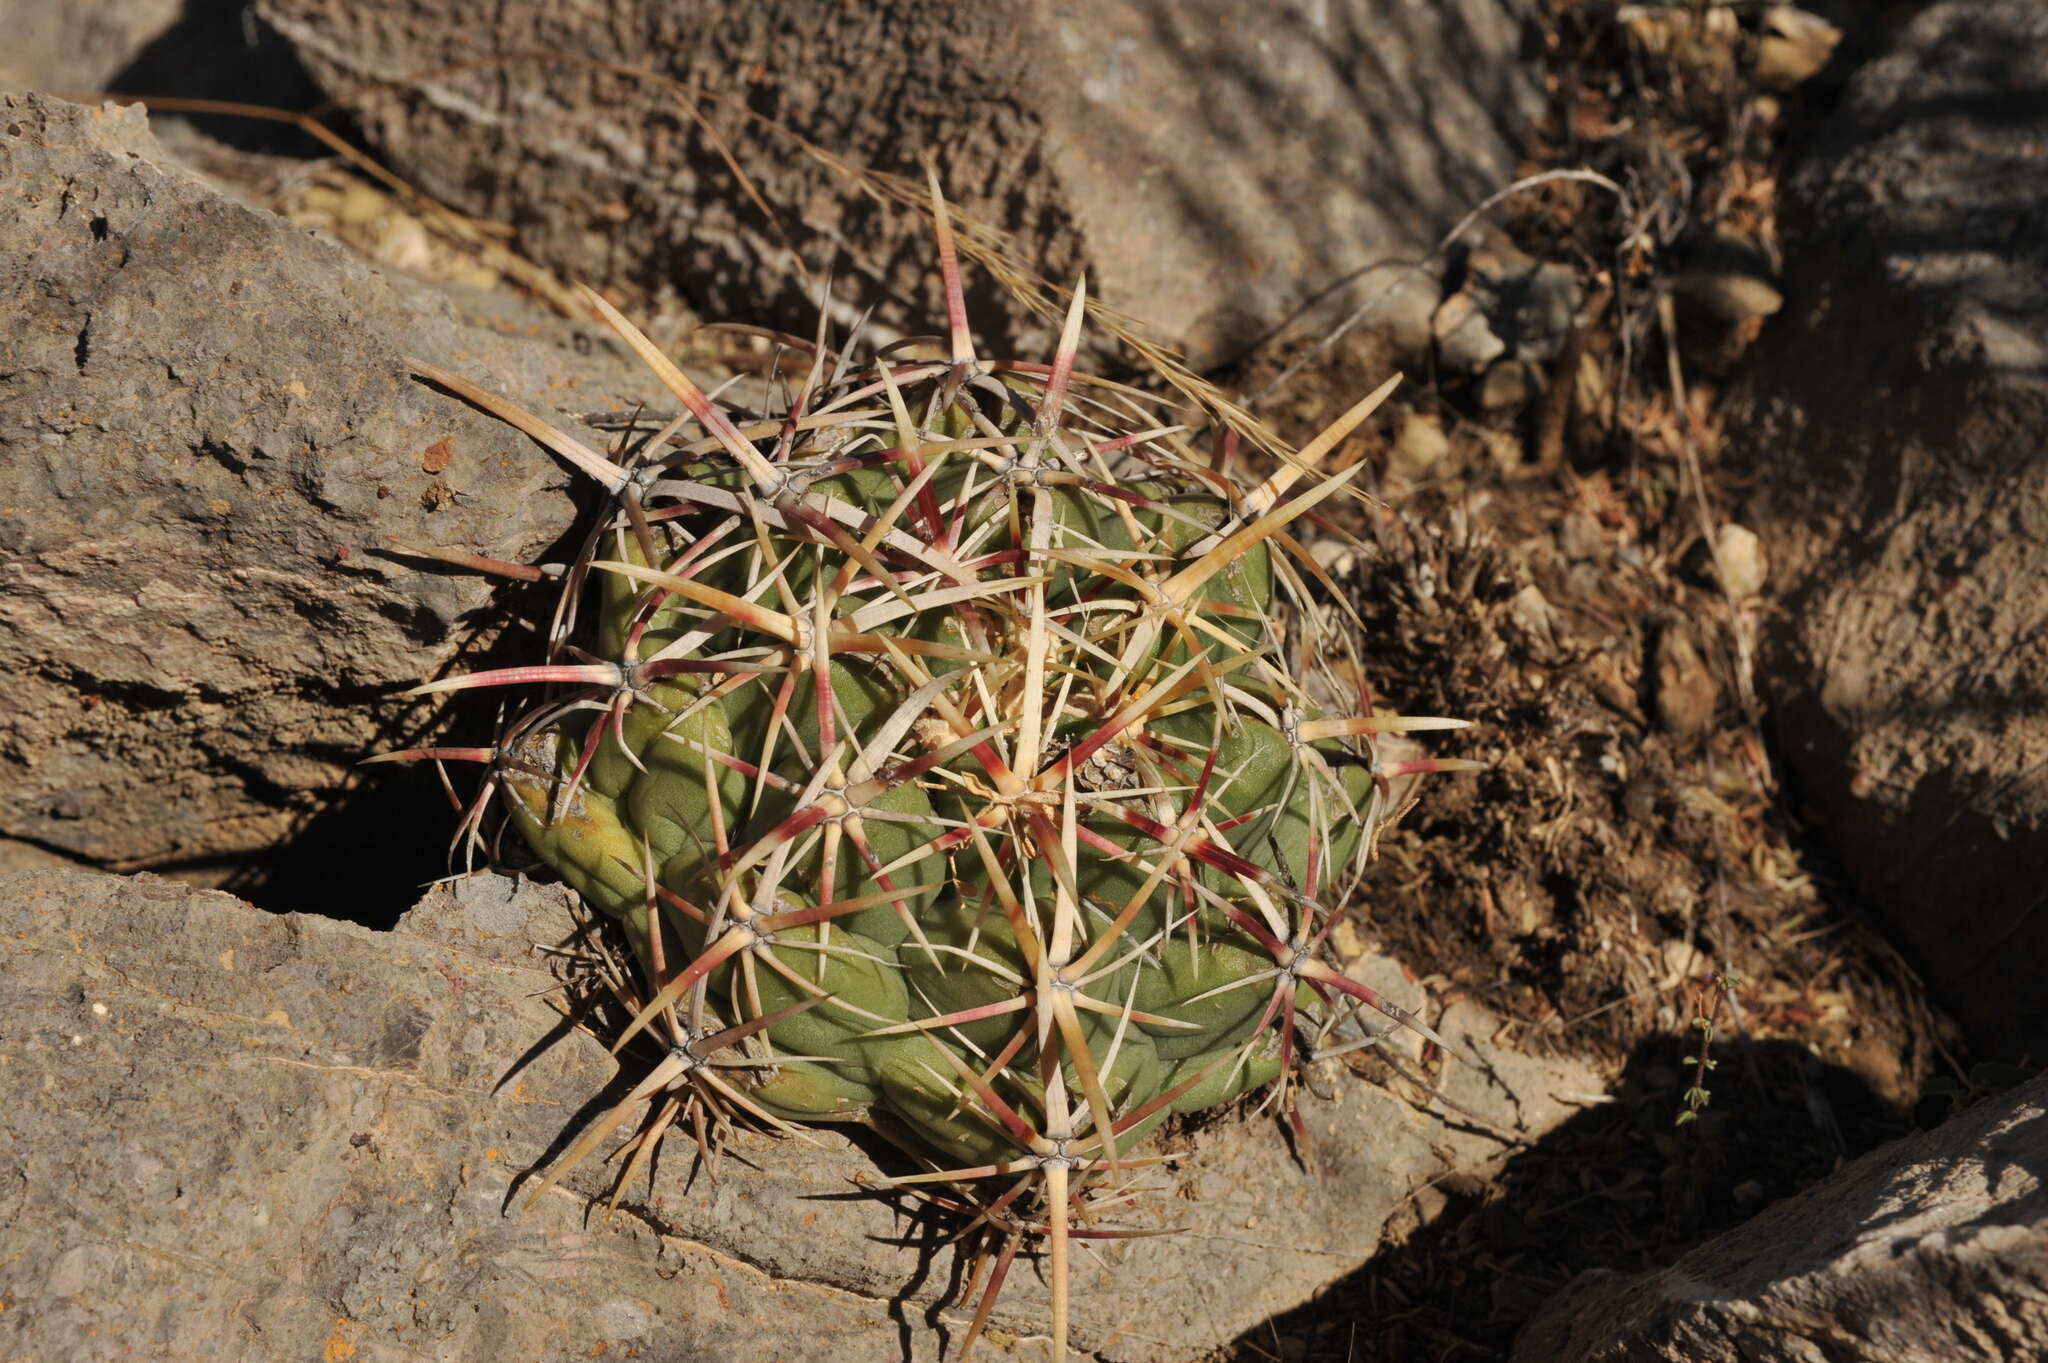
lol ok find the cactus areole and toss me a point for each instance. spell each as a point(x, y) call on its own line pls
point(962, 752)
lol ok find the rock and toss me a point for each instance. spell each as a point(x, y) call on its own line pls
point(1537, 619)
point(1739, 560)
point(1336, 557)
point(1465, 339)
point(1400, 307)
point(1684, 961)
point(1933, 1249)
point(1894, 422)
point(207, 430)
point(200, 50)
point(1508, 385)
point(1730, 297)
point(77, 49)
point(256, 1136)
point(1729, 279)
point(1685, 695)
point(1528, 304)
point(1511, 308)
point(1582, 537)
point(1794, 47)
point(239, 1135)
point(1420, 446)
point(1213, 174)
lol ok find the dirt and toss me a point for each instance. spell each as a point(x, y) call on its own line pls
point(1587, 886)
point(1630, 837)
point(1608, 856)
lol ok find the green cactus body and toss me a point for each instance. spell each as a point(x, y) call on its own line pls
point(957, 757)
point(932, 898)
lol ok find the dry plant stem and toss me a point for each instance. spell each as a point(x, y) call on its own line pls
point(1554, 416)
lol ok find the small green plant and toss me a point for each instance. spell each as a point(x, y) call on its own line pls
point(1707, 997)
point(962, 753)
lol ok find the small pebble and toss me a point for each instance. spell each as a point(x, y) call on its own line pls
point(1464, 338)
point(1739, 555)
point(1508, 385)
point(1581, 536)
point(1419, 447)
point(1686, 694)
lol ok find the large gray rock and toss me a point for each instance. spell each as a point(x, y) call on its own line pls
point(1215, 165)
point(233, 1135)
point(1897, 422)
point(207, 428)
point(1931, 1250)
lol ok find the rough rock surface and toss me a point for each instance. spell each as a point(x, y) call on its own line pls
point(1933, 1249)
point(1897, 422)
point(233, 1135)
point(1213, 170)
point(206, 429)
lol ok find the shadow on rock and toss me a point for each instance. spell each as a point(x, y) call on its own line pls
point(221, 50)
point(364, 852)
point(1618, 1187)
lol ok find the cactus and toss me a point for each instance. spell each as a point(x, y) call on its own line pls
point(961, 753)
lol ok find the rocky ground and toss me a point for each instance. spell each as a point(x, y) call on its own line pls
point(1712, 496)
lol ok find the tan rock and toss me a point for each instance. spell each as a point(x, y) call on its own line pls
point(244, 1135)
point(1739, 559)
point(1686, 694)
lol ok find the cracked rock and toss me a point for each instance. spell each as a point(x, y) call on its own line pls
point(207, 430)
point(247, 1136)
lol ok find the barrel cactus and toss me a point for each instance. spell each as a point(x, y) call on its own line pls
point(961, 753)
